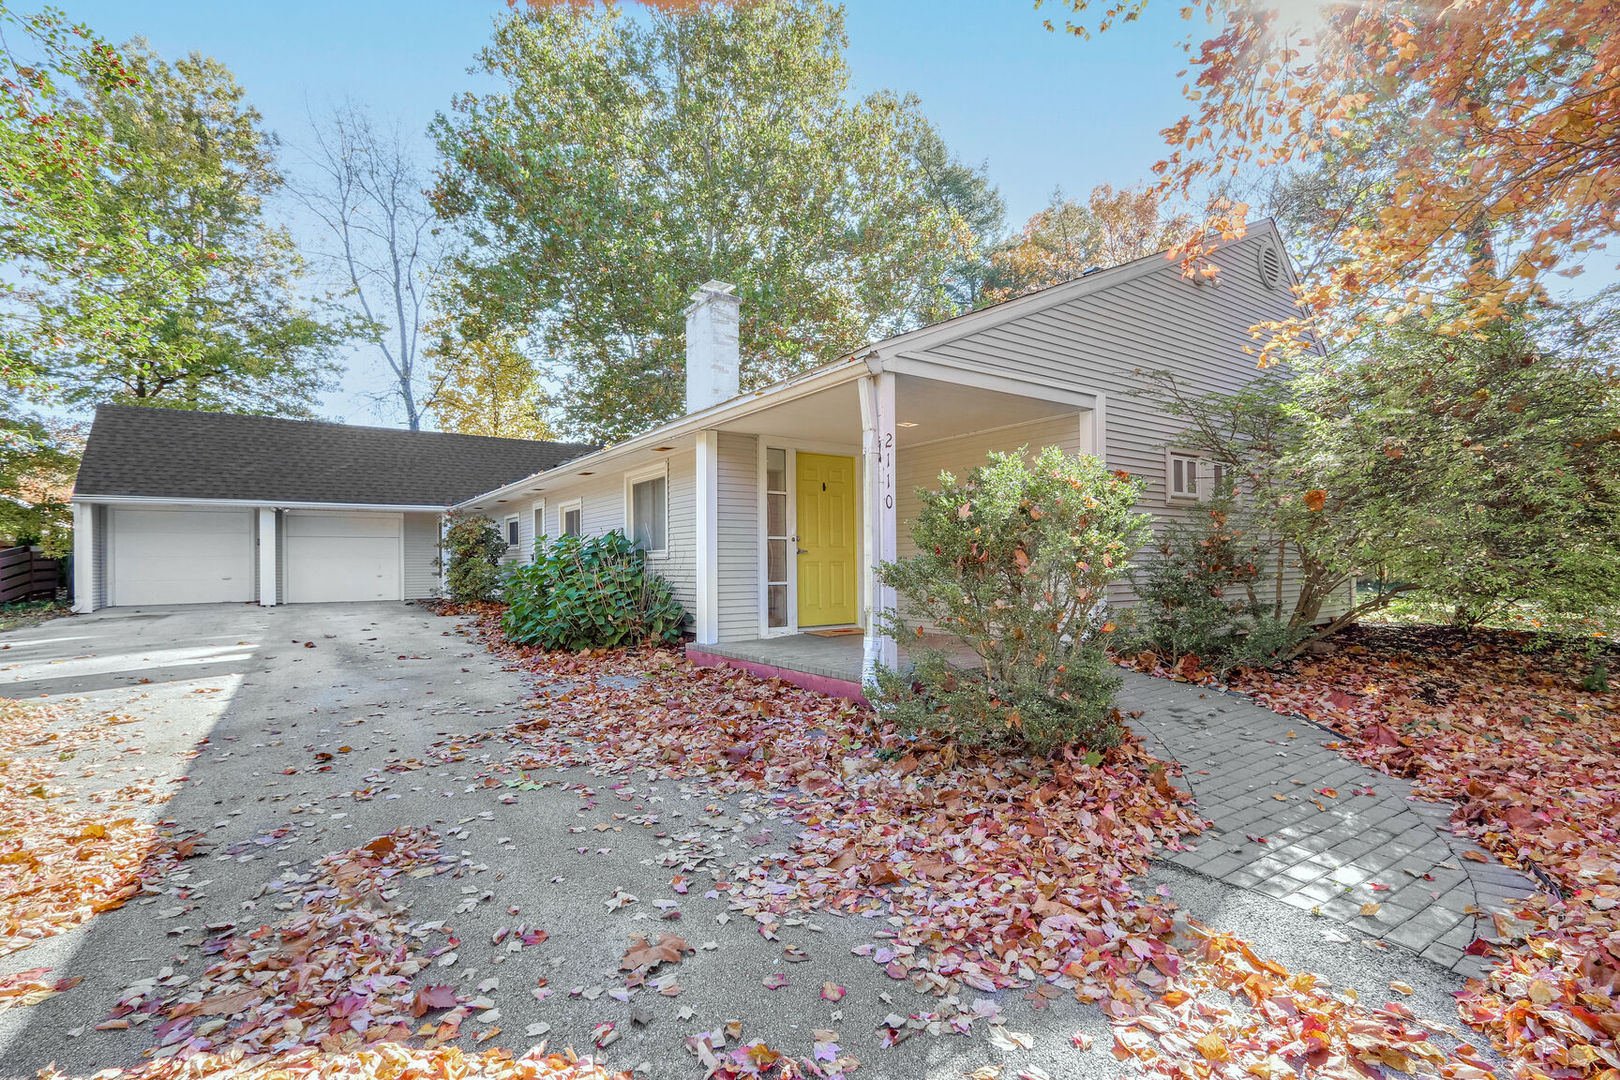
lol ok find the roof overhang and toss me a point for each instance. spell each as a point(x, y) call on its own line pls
point(810, 382)
point(249, 504)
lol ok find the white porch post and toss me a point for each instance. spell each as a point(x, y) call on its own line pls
point(84, 558)
point(880, 531)
point(267, 556)
point(706, 619)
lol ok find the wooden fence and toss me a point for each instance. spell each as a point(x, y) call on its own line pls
point(24, 573)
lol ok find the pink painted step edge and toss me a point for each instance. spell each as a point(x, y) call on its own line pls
point(821, 684)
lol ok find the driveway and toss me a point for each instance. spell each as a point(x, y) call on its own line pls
point(317, 728)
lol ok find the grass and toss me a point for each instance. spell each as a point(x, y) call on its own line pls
point(1412, 611)
point(30, 613)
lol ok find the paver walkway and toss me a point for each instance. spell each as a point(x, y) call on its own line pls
point(1256, 773)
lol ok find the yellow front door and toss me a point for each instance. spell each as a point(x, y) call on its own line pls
point(827, 541)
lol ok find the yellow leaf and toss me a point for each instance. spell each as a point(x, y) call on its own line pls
point(1370, 909)
point(1400, 986)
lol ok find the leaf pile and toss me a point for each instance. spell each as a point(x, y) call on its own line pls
point(335, 973)
point(1532, 760)
point(1001, 870)
point(384, 1061)
point(62, 862)
point(994, 872)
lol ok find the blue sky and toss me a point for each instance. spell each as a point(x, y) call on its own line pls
point(1040, 109)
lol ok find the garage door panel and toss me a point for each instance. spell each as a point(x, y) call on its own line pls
point(333, 558)
point(181, 557)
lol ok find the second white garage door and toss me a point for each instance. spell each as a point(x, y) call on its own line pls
point(333, 557)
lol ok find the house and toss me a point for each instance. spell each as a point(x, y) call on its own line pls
point(179, 507)
point(766, 510)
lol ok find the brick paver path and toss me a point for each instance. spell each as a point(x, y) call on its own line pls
point(1257, 774)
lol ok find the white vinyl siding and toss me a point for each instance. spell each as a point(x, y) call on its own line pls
point(602, 500)
point(421, 556)
point(920, 466)
point(738, 536)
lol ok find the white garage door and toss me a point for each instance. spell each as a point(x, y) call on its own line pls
point(334, 557)
point(181, 557)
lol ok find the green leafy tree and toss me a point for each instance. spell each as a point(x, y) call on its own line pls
point(53, 158)
point(38, 460)
point(1014, 563)
point(620, 163)
point(485, 387)
point(189, 168)
point(975, 211)
point(1474, 471)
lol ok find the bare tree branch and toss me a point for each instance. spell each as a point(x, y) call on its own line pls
point(368, 195)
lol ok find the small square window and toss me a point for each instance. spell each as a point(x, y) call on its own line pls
point(1190, 477)
point(573, 520)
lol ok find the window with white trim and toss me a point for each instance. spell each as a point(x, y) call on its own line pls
point(646, 499)
point(539, 515)
point(512, 530)
point(1190, 478)
point(571, 518)
point(776, 537)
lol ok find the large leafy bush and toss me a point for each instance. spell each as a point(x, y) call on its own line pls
point(1014, 563)
point(590, 593)
point(474, 547)
point(1200, 602)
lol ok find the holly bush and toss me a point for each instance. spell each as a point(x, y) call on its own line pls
point(590, 593)
point(1014, 563)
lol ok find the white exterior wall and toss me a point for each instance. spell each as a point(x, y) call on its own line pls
point(738, 536)
point(1156, 321)
point(421, 556)
point(920, 466)
point(603, 504)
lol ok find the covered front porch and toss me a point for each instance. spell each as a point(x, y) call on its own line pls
point(826, 662)
point(801, 498)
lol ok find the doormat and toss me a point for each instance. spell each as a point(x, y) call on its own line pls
point(839, 631)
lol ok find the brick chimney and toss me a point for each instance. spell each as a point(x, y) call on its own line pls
point(713, 360)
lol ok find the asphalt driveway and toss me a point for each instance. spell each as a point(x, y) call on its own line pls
point(316, 728)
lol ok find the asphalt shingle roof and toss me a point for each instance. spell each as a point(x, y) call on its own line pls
point(171, 453)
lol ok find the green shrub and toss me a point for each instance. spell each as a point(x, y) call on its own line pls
point(589, 593)
point(474, 546)
point(1015, 563)
point(1199, 598)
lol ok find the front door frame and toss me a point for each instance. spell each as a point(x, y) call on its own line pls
point(793, 447)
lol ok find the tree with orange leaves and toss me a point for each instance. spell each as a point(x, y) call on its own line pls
point(1068, 237)
point(1478, 143)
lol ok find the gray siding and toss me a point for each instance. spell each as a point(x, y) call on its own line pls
point(603, 504)
point(920, 466)
point(738, 539)
point(1105, 340)
point(421, 556)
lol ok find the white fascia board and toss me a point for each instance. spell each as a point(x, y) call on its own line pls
point(812, 381)
point(933, 367)
point(249, 504)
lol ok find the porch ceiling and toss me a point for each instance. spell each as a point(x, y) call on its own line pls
point(934, 409)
